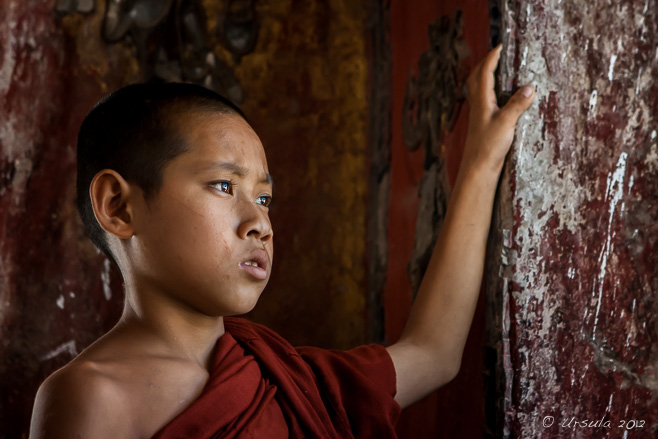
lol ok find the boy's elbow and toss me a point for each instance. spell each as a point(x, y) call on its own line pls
point(449, 372)
point(453, 371)
point(420, 371)
point(443, 369)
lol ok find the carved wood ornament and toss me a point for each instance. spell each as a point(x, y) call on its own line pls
point(171, 39)
point(431, 106)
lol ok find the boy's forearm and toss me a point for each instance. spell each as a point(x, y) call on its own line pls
point(443, 310)
point(429, 351)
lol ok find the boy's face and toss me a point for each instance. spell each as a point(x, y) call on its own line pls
point(205, 239)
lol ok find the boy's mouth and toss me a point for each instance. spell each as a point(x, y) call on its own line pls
point(256, 265)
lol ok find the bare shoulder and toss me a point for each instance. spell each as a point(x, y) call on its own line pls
point(80, 400)
point(120, 387)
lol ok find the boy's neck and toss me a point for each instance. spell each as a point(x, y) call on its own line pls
point(173, 329)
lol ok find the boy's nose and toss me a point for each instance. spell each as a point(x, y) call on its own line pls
point(255, 223)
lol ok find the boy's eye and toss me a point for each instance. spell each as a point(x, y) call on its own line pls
point(264, 200)
point(224, 186)
point(227, 187)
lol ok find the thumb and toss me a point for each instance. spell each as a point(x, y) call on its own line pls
point(518, 103)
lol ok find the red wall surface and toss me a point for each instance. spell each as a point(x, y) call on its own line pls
point(57, 294)
point(573, 290)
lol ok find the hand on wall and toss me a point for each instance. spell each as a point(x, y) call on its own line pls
point(490, 128)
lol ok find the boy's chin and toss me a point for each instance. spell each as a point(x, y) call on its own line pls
point(241, 311)
point(222, 303)
point(242, 308)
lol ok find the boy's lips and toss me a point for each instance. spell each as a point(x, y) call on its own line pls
point(257, 264)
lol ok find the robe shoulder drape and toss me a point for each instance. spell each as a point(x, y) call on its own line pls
point(262, 387)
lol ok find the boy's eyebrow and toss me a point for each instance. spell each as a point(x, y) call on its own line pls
point(236, 169)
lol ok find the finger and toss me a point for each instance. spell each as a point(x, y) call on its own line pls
point(481, 81)
point(475, 72)
point(492, 56)
point(491, 60)
point(518, 103)
point(489, 67)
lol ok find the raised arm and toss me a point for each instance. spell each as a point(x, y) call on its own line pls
point(429, 352)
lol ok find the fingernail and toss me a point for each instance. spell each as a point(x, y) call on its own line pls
point(526, 91)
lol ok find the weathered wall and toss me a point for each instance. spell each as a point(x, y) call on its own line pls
point(305, 89)
point(56, 293)
point(573, 280)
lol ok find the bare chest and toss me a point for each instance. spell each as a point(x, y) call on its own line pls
point(156, 397)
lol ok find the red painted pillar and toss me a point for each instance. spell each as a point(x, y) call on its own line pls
point(572, 288)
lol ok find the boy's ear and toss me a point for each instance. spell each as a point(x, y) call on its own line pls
point(111, 202)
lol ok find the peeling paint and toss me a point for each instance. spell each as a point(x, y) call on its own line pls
point(105, 278)
point(60, 302)
point(578, 194)
point(69, 347)
point(611, 70)
point(592, 101)
point(524, 57)
point(8, 27)
point(613, 192)
point(606, 361)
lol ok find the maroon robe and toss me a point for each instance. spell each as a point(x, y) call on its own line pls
point(262, 387)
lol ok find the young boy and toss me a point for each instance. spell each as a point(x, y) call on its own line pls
point(173, 186)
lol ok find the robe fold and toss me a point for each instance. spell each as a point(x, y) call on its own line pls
point(262, 387)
